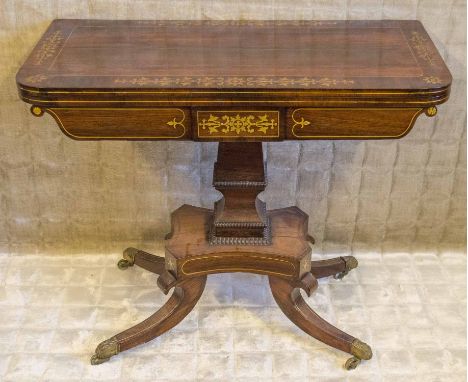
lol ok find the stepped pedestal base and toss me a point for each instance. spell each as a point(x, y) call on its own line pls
point(190, 258)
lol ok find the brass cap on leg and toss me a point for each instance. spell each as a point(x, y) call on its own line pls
point(105, 350)
point(350, 263)
point(128, 258)
point(129, 255)
point(361, 350)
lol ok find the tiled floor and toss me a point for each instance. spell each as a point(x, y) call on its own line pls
point(410, 307)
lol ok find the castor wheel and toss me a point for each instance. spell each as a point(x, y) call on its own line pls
point(350, 264)
point(124, 264)
point(105, 350)
point(340, 275)
point(128, 258)
point(352, 363)
point(95, 360)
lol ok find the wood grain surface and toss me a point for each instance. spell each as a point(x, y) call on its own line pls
point(79, 61)
point(189, 254)
point(233, 80)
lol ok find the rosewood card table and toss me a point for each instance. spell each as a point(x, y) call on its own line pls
point(239, 83)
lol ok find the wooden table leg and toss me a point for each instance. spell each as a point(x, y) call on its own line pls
point(292, 304)
point(179, 305)
point(145, 260)
point(338, 267)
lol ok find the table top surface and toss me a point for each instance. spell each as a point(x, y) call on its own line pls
point(231, 55)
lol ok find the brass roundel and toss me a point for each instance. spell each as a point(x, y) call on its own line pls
point(37, 111)
point(431, 111)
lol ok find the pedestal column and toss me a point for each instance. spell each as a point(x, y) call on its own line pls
point(240, 217)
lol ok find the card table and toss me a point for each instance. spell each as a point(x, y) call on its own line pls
point(239, 83)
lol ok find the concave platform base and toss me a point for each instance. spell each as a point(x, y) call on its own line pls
point(190, 258)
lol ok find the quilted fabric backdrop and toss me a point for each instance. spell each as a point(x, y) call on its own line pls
point(63, 196)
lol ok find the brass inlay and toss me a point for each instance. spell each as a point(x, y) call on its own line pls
point(48, 48)
point(301, 123)
point(240, 81)
point(422, 48)
point(239, 124)
point(36, 78)
point(59, 121)
point(417, 112)
point(183, 23)
point(194, 102)
point(239, 269)
point(432, 80)
point(175, 123)
point(105, 350)
point(431, 111)
point(306, 265)
point(170, 263)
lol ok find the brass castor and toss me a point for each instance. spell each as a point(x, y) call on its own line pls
point(128, 258)
point(350, 263)
point(95, 360)
point(352, 363)
point(360, 351)
point(340, 275)
point(105, 350)
point(124, 264)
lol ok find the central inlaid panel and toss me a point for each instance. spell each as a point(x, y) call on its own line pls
point(238, 124)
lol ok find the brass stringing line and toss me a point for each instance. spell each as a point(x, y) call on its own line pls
point(236, 269)
point(251, 270)
point(154, 324)
point(195, 258)
point(417, 113)
point(411, 50)
point(63, 46)
point(190, 102)
point(222, 92)
point(117, 108)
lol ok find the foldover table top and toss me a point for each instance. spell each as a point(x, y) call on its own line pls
point(287, 70)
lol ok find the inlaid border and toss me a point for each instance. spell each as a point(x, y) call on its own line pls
point(239, 136)
point(289, 264)
point(172, 123)
point(299, 123)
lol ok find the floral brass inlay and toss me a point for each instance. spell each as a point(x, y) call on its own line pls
point(233, 82)
point(432, 80)
point(48, 48)
point(175, 123)
point(240, 124)
point(422, 48)
point(303, 122)
point(35, 79)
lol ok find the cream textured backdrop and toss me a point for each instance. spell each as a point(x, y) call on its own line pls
point(63, 196)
